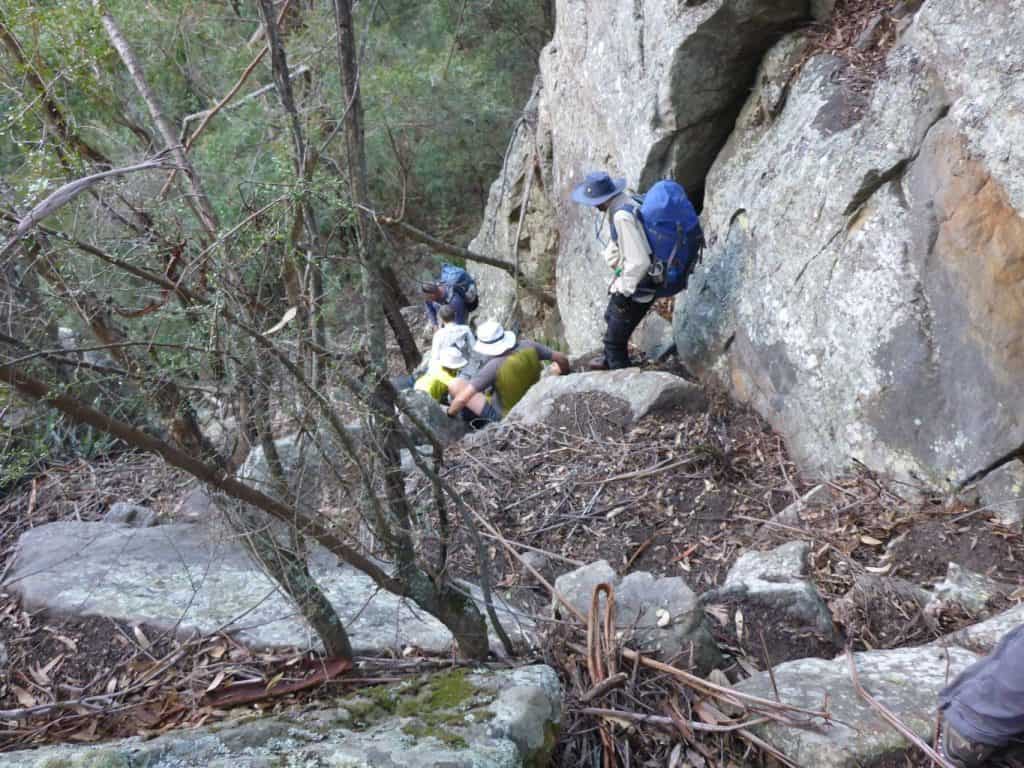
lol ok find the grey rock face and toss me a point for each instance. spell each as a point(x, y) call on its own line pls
point(779, 579)
point(134, 515)
point(644, 391)
point(1003, 492)
point(905, 680)
point(645, 90)
point(656, 614)
point(503, 719)
point(300, 462)
point(206, 579)
point(971, 590)
point(858, 290)
point(654, 336)
point(445, 430)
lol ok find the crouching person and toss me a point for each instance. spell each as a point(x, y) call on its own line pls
point(511, 367)
point(442, 373)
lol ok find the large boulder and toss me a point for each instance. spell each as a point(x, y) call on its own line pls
point(194, 578)
point(301, 467)
point(906, 680)
point(646, 90)
point(643, 392)
point(863, 287)
point(982, 638)
point(659, 615)
point(457, 719)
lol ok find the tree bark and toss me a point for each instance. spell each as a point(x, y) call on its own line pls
point(280, 559)
point(359, 183)
point(458, 613)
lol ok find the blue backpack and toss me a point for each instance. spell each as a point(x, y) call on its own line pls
point(673, 232)
point(460, 280)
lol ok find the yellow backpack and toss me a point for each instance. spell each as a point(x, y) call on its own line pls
point(520, 371)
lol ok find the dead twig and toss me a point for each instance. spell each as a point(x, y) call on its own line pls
point(889, 717)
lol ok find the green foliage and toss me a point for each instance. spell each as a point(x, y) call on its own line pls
point(445, 81)
point(442, 83)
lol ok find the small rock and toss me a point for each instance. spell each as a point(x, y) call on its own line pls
point(818, 498)
point(1002, 491)
point(136, 516)
point(195, 506)
point(779, 578)
point(539, 562)
point(638, 599)
point(970, 590)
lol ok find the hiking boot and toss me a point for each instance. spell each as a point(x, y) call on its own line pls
point(962, 752)
point(598, 364)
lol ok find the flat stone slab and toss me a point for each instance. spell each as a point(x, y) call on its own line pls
point(195, 578)
point(906, 680)
point(458, 719)
point(645, 391)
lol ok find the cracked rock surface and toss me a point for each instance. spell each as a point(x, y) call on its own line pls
point(863, 290)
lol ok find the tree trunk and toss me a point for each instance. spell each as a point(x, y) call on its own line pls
point(358, 180)
point(394, 300)
point(458, 613)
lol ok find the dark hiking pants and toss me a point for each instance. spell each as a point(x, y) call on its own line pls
point(986, 701)
point(622, 317)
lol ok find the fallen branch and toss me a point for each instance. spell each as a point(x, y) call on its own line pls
point(608, 684)
point(664, 467)
point(668, 722)
point(250, 691)
point(730, 695)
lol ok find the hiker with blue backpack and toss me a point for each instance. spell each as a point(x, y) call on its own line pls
point(654, 243)
point(455, 288)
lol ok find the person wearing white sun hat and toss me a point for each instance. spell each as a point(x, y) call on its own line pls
point(513, 366)
point(441, 373)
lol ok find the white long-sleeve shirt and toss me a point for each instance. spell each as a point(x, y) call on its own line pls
point(630, 255)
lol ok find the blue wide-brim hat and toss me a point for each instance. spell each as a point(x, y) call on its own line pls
point(598, 187)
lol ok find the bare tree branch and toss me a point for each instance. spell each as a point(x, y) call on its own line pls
point(65, 194)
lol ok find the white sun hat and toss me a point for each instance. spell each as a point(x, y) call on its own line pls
point(451, 357)
point(493, 340)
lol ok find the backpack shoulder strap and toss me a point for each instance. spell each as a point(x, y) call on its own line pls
point(632, 208)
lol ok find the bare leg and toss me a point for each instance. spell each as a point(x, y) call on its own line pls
point(475, 404)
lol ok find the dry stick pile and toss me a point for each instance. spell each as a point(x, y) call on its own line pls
point(581, 486)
